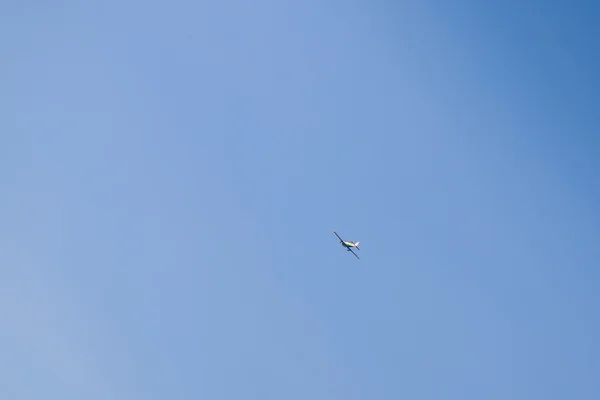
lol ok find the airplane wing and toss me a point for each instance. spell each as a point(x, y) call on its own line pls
point(341, 240)
point(353, 253)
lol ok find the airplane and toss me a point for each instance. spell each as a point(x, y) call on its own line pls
point(348, 245)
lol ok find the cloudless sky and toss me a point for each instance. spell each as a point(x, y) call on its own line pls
point(171, 174)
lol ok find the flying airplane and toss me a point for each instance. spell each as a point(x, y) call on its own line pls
point(348, 245)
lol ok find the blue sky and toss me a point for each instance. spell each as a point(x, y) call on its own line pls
point(172, 173)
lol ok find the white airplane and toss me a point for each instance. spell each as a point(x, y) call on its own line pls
point(348, 245)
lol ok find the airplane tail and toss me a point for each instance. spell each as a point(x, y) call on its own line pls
point(357, 243)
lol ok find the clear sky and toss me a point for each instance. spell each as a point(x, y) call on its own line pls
point(171, 174)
